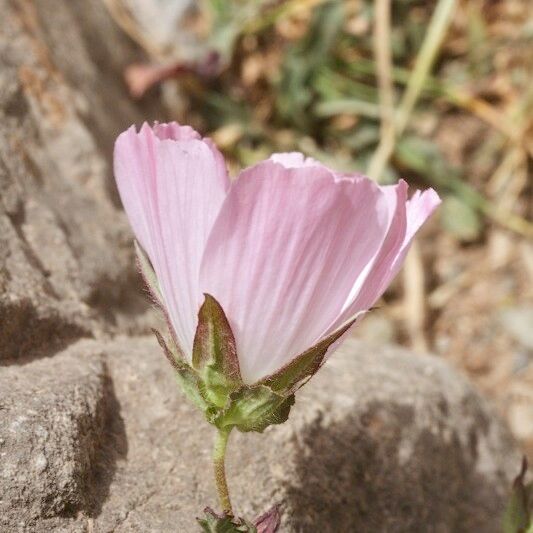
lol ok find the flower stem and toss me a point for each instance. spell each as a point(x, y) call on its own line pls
point(219, 455)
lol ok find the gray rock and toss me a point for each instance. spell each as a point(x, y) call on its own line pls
point(392, 441)
point(66, 266)
point(379, 440)
point(52, 418)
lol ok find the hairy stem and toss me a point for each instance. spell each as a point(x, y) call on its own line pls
point(219, 456)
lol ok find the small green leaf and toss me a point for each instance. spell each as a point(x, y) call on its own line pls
point(306, 364)
point(296, 88)
point(254, 409)
point(517, 517)
point(349, 106)
point(460, 219)
point(214, 353)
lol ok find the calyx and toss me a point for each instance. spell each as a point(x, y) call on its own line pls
point(213, 381)
point(214, 522)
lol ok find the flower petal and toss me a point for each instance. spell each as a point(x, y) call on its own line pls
point(283, 255)
point(371, 280)
point(419, 208)
point(172, 185)
point(408, 217)
point(174, 131)
point(295, 160)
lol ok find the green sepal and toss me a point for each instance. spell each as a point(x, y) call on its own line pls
point(303, 367)
point(214, 382)
point(215, 386)
point(224, 523)
point(517, 517)
point(148, 274)
point(214, 354)
point(187, 378)
point(152, 286)
point(254, 409)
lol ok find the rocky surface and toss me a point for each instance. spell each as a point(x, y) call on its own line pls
point(65, 257)
point(94, 436)
point(379, 440)
point(52, 418)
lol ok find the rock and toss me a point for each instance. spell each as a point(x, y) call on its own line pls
point(379, 440)
point(397, 442)
point(52, 417)
point(66, 265)
point(377, 328)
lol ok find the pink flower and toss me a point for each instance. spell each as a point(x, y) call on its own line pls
point(291, 249)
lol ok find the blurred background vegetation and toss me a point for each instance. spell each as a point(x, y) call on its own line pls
point(437, 92)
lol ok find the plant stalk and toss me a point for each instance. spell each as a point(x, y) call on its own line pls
point(219, 456)
point(438, 26)
point(382, 48)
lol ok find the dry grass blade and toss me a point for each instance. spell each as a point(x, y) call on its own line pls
point(414, 303)
point(382, 48)
point(438, 26)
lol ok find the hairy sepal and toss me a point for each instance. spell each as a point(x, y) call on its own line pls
point(214, 354)
point(152, 286)
point(187, 378)
point(214, 522)
point(296, 373)
point(148, 275)
point(214, 382)
point(224, 523)
point(254, 409)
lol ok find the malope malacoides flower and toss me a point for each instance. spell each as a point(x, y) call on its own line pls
point(259, 278)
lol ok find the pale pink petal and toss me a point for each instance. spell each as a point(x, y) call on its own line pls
point(295, 160)
point(419, 208)
point(284, 253)
point(375, 277)
point(299, 160)
point(407, 220)
point(174, 131)
point(172, 185)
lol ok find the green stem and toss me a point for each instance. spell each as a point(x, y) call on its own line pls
point(219, 456)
